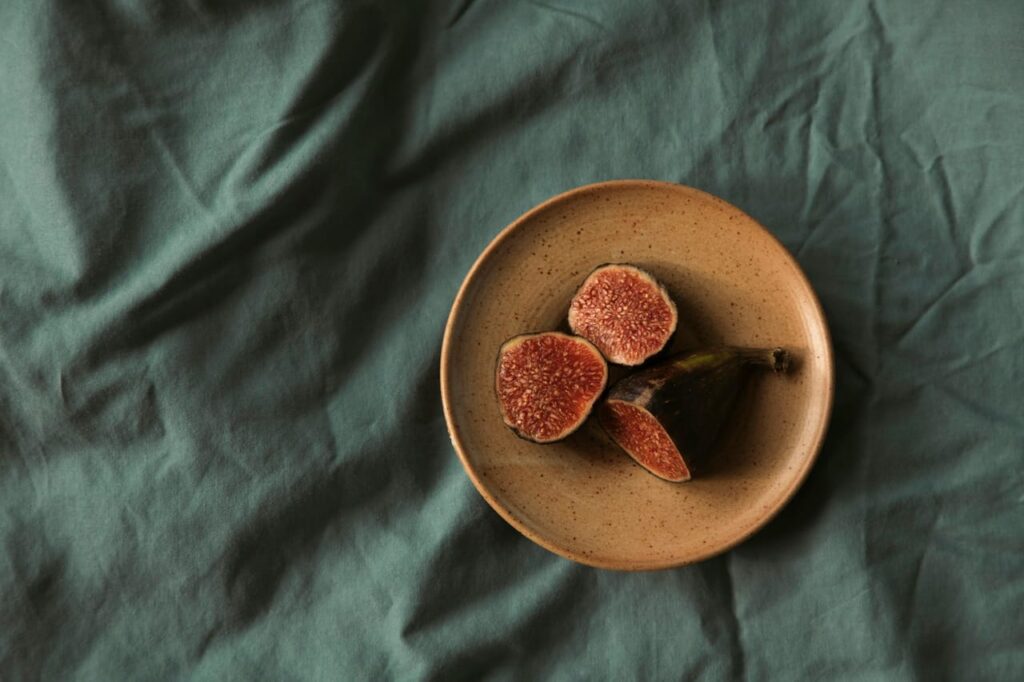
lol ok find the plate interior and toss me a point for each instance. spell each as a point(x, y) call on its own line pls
point(733, 283)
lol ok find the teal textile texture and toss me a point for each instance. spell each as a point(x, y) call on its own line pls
point(230, 234)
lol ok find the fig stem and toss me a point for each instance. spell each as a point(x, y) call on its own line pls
point(777, 359)
point(780, 360)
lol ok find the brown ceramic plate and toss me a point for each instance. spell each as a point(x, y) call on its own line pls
point(734, 283)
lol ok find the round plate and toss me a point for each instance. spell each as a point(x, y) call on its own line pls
point(733, 282)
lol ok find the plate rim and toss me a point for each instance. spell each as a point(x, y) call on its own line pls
point(505, 513)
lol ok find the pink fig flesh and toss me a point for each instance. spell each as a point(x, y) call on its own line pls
point(548, 383)
point(625, 312)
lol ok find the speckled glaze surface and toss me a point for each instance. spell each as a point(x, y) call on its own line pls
point(733, 283)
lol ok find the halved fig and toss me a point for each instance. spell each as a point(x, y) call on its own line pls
point(548, 383)
point(625, 312)
point(668, 417)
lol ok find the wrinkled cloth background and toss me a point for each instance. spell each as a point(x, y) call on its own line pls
point(230, 233)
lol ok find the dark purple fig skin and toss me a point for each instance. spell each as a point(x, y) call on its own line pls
point(692, 394)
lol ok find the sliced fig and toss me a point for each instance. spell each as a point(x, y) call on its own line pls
point(547, 384)
point(625, 312)
point(668, 417)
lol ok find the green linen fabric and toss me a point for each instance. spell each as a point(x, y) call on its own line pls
point(230, 234)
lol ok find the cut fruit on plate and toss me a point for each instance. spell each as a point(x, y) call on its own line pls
point(668, 417)
point(547, 384)
point(625, 312)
